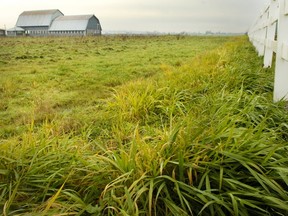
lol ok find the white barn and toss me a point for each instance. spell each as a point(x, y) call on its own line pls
point(54, 23)
point(37, 23)
point(76, 25)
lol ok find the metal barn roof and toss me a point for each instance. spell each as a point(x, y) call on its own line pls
point(37, 18)
point(71, 23)
point(16, 29)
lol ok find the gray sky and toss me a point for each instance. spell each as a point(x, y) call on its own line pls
point(149, 15)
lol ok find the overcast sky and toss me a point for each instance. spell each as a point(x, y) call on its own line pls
point(149, 15)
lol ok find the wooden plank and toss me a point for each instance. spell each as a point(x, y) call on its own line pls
point(271, 44)
point(286, 7)
point(274, 45)
point(273, 19)
point(284, 53)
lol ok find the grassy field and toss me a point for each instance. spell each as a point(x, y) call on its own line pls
point(56, 78)
point(166, 125)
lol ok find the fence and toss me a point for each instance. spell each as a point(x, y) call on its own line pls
point(269, 34)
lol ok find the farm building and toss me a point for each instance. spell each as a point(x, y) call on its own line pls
point(54, 23)
point(2, 33)
point(37, 23)
point(76, 25)
point(16, 31)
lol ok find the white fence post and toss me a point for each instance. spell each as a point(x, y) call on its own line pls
point(281, 67)
point(271, 43)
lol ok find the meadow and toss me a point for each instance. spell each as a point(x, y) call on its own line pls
point(140, 125)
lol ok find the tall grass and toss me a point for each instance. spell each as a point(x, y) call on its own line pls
point(203, 138)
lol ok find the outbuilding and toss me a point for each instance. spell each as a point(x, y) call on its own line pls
point(38, 22)
point(2, 32)
point(76, 25)
point(16, 31)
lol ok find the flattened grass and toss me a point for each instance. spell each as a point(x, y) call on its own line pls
point(200, 137)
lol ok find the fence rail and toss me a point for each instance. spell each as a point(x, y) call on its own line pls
point(269, 34)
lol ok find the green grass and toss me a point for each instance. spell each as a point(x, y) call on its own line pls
point(58, 78)
point(140, 126)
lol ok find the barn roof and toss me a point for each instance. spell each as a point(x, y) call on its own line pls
point(16, 29)
point(37, 18)
point(71, 23)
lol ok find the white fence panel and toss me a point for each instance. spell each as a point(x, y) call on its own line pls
point(281, 73)
point(269, 35)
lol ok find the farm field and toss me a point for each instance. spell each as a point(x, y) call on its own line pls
point(140, 125)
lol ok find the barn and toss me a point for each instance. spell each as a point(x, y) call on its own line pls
point(37, 23)
point(54, 23)
point(2, 33)
point(76, 25)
